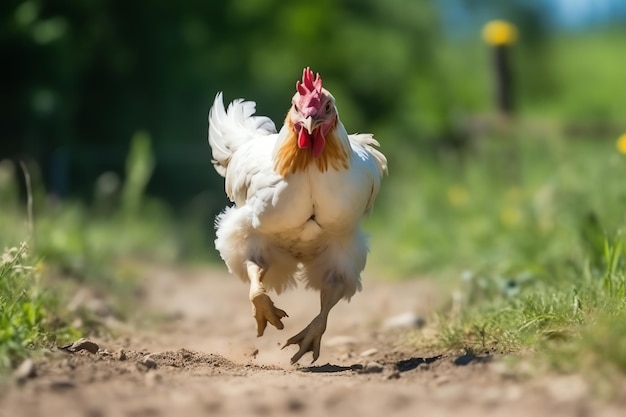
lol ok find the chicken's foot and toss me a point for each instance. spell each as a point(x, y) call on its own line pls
point(310, 339)
point(263, 308)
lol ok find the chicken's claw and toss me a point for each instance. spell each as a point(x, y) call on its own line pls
point(309, 339)
point(263, 310)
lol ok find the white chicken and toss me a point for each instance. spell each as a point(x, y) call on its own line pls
point(299, 196)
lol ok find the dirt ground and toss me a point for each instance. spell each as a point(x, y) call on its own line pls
point(202, 358)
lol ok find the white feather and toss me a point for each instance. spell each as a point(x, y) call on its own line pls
point(228, 130)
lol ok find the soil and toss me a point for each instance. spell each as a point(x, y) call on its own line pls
point(202, 357)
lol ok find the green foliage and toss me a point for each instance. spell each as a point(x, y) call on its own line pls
point(604, 341)
point(510, 204)
point(87, 76)
point(535, 230)
point(78, 244)
point(587, 107)
point(29, 315)
point(122, 223)
point(139, 168)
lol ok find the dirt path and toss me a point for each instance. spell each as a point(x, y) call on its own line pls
point(204, 359)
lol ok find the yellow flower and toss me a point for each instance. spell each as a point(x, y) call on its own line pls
point(510, 216)
point(621, 144)
point(457, 196)
point(499, 33)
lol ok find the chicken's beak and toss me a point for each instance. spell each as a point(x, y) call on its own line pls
point(308, 124)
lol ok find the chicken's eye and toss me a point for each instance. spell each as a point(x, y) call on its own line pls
point(327, 107)
point(295, 107)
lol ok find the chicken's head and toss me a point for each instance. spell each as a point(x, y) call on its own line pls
point(313, 113)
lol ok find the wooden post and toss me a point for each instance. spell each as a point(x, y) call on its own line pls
point(501, 35)
point(503, 79)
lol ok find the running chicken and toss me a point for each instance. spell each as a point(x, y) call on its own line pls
point(299, 195)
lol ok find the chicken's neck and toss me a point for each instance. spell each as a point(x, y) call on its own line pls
point(290, 158)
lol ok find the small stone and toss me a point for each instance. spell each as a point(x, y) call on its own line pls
point(394, 375)
point(62, 384)
point(340, 341)
point(295, 405)
point(81, 344)
point(441, 380)
point(26, 370)
point(372, 368)
point(405, 320)
point(148, 363)
point(121, 355)
point(369, 352)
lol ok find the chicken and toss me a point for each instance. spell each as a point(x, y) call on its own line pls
point(299, 196)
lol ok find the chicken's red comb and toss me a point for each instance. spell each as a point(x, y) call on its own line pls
point(309, 84)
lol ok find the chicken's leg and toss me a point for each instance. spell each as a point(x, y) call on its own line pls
point(310, 338)
point(263, 308)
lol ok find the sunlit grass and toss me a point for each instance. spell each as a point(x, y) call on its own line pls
point(30, 314)
point(528, 232)
point(72, 244)
point(511, 204)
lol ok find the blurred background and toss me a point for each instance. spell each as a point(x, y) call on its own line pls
point(106, 103)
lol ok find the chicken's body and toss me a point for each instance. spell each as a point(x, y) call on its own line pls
point(297, 208)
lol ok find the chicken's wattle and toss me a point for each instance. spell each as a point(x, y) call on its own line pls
point(315, 141)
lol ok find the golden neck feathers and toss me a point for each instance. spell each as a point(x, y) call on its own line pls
point(290, 159)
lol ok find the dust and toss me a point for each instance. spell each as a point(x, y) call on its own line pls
point(204, 359)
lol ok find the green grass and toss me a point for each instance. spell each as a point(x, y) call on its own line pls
point(30, 315)
point(527, 230)
point(542, 314)
point(73, 244)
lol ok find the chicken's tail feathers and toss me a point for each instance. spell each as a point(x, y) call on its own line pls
point(367, 142)
point(230, 128)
